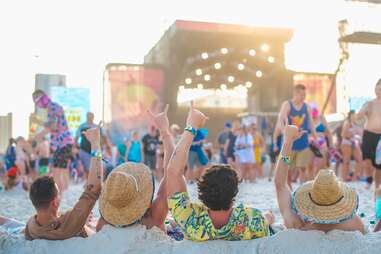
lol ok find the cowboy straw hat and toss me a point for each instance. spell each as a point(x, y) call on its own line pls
point(127, 194)
point(325, 200)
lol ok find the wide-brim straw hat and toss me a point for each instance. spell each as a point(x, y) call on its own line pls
point(325, 200)
point(127, 194)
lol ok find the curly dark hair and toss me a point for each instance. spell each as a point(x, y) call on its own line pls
point(42, 191)
point(218, 187)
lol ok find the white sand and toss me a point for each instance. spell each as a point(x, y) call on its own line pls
point(136, 239)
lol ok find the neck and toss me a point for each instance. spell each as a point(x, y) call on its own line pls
point(220, 218)
point(296, 101)
point(45, 217)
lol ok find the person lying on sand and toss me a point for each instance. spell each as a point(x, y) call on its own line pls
point(322, 204)
point(45, 197)
point(127, 196)
point(216, 218)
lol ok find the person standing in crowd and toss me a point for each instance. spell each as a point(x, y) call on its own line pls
point(150, 142)
point(324, 140)
point(350, 146)
point(298, 113)
point(134, 150)
point(222, 139)
point(10, 154)
point(258, 145)
point(371, 139)
point(43, 155)
point(274, 149)
point(245, 154)
point(197, 159)
point(229, 150)
point(61, 141)
point(83, 144)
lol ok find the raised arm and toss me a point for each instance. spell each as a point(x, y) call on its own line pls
point(177, 163)
point(159, 208)
point(291, 220)
point(96, 168)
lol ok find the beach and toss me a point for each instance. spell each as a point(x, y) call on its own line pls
point(137, 239)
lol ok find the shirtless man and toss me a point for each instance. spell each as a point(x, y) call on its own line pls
point(43, 154)
point(324, 204)
point(371, 111)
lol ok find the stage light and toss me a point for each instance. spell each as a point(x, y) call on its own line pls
point(181, 88)
point(224, 51)
point(241, 67)
point(122, 68)
point(248, 84)
point(265, 47)
point(217, 66)
point(231, 79)
point(259, 74)
point(113, 68)
point(204, 55)
point(207, 77)
point(271, 59)
point(200, 86)
point(198, 72)
point(252, 52)
point(223, 87)
point(188, 81)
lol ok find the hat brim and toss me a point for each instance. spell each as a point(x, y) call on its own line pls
point(341, 211)
point(140, 203)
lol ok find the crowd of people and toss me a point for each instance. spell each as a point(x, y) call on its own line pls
point(302, 149)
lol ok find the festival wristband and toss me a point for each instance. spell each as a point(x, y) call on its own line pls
point(191, 130)
point(98, 155)
point(286, 159)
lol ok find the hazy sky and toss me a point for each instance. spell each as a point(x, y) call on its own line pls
point(78, 38)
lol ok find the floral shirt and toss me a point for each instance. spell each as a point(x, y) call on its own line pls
point(194, 221)
point(60, 136)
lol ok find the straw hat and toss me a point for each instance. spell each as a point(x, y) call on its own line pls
point(325, 200)
point(127, 194)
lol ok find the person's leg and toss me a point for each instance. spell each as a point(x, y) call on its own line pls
point(253, 169)
point(347, 151)
point(358, 161)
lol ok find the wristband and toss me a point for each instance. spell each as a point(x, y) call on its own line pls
point(96, 154)
point(191, 130)
point(286, 159)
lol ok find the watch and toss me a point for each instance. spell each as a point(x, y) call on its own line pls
point(191, 130)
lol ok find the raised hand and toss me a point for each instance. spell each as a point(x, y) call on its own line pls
point(161, 119)
point(93, 135)
point(292, 133)
point(196, 119)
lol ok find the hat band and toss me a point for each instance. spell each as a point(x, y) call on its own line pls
point(319, 204)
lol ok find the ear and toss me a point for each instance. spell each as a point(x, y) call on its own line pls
point(55, 203)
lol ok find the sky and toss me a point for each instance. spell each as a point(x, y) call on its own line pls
point(78, 38)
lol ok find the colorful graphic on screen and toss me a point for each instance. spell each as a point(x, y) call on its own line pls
point(75, 102)
point(134, 89)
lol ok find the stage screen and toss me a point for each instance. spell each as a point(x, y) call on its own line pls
point(134, 89)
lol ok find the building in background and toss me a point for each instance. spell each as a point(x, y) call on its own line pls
point(5, 131)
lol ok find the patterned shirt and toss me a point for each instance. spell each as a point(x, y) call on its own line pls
point(194, 221)
point(60, 136)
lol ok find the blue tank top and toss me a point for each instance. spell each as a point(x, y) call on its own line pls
point(300, 119)
point(135, 152)
point(320, 128)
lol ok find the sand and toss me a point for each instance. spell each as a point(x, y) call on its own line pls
point(137, 239)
